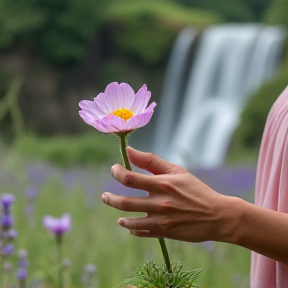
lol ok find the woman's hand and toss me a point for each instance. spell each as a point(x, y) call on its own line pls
point(178, 206)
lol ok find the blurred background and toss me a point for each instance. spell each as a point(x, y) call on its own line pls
point(63, 52)
point(213, 67)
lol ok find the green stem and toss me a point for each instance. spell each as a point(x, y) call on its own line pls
point(12, 102)
point(1, 269)
point(22, 284)
point(165, 254)
point(59, 259)
point(123, 144)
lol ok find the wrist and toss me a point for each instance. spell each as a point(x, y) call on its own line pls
point(230, 215)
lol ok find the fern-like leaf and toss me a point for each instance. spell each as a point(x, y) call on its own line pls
point(151, 275)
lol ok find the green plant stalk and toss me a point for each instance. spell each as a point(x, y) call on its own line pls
point(1, 268)
point(3, 261)
point(12, 102)
point(59, 259)
point(123, 144)
point(22, 284)
point(165, 254)
point(6, 278)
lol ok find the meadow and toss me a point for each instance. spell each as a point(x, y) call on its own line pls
point(44, 188)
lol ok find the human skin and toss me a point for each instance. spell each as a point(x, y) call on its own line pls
point(179, 206)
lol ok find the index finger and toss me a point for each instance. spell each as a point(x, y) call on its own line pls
point(135, 180)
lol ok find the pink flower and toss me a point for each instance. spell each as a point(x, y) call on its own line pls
point(118, 109)
point(58, 226)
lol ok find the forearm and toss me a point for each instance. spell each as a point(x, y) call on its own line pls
point(258, 229)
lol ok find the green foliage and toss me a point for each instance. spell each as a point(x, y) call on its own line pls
point(95, 236)
point(84, 149)
point(59, 29)
point(151, 275)
point(232, 10)
point(10, 104)
point(249, 133)
point(115, 68)
point(68, 26)
point(258, 8)
point(16, 19)
point(277, 13)
point(145, 30)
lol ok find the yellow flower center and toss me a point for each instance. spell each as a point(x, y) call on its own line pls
point(123, 113)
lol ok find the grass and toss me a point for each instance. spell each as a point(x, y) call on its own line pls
point(95, 236)
point(86, 149)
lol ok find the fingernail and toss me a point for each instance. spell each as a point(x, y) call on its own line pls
point(105, 198)
point(112, 170)
point(121, 222)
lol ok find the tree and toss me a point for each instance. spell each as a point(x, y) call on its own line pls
point(277, 13)
point(232, 10)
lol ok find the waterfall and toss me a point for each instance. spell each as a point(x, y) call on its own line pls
point(195, 125)
point(173, 85)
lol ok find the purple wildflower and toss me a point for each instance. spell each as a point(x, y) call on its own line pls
point(88, 277)
point(29, 209)
point(22, 274)
point(22, 268)
point(31, 192)
point(237, 181)
point(6, 221)
point(58, 226)
point(90, 269)
point(7, 267)
point(8, 249)
point(12, 234)
point(69, 178)
point(38, 173)
point(22, 263)
point(9, 234)
point(7, 200)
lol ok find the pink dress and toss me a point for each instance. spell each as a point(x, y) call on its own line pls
point(272, 189)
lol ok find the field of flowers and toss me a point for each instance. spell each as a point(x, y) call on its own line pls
point(96, 252)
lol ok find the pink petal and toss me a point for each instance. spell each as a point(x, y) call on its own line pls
point(65, 221)
point(142, 98)
point(101, 101)
point(119, 96)
point(139, 120)
point(96, 123)
point(151, 107)
point(87, 117)
point(49, 222)
point(92, 108)
point(102, 127)
point(115, 124)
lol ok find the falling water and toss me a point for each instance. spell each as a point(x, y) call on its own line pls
point(230, 62)
point(173, 85)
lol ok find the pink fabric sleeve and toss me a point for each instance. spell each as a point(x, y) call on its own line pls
point(272, 189)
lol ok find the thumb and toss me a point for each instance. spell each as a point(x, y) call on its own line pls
point(152, 163)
